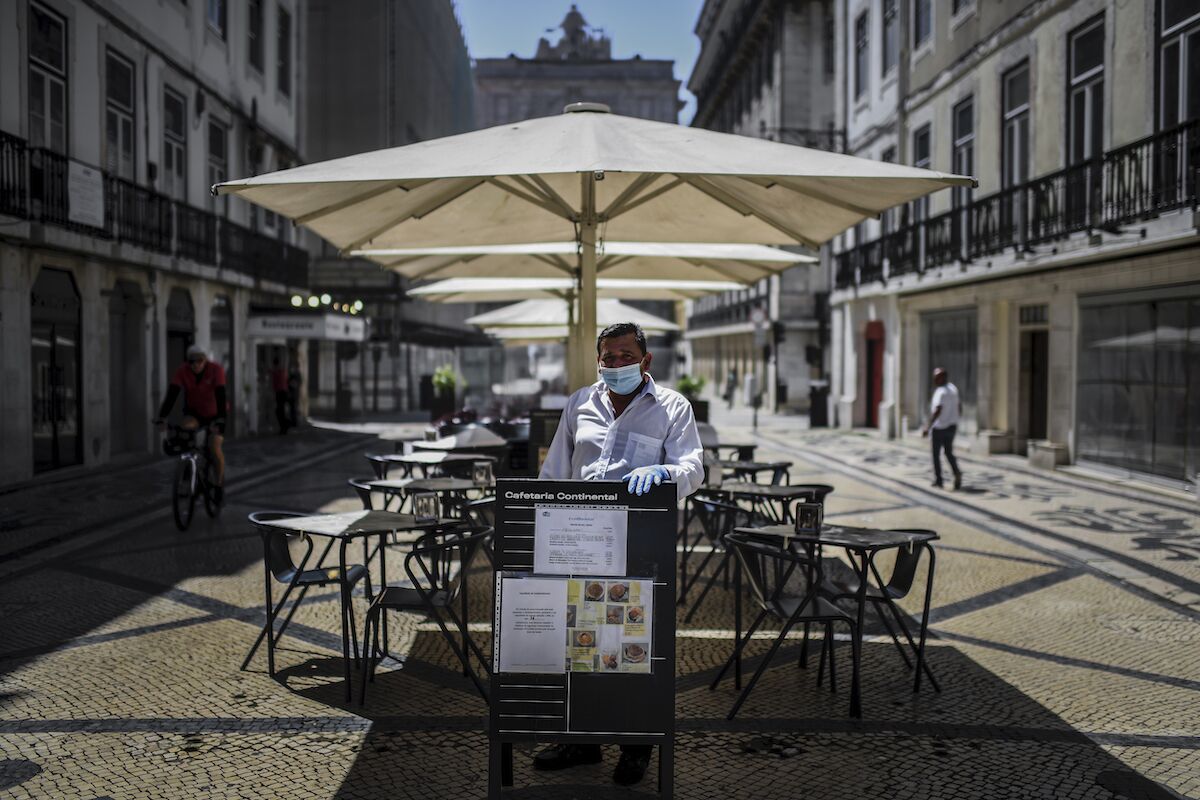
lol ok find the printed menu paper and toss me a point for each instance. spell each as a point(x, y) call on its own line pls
point(532, 624)
point(580, 540)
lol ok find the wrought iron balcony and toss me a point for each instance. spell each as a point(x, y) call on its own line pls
point(1135, 182)
point(34, 185)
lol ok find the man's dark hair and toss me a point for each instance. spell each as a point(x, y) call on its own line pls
point(622, 329)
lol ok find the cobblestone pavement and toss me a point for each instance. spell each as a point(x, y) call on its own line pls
point(1068, 652)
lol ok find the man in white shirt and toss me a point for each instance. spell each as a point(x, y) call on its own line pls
point(623, 427)
point(943, 420)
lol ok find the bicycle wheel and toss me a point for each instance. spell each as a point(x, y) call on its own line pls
point(211, 506)
point(183, 501)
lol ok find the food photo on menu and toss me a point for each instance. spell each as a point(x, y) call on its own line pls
point(608, 625)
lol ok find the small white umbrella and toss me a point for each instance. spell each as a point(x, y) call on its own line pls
point(744, 263)
point(581, 176)
point(532, 314)
point(495, 290)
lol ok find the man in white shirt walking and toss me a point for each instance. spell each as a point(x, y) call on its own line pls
point(623, 427)
point(943, 421)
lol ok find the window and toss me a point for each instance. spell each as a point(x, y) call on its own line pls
point(963, 158)
point(950, 342)
point(218, 162)
point(922, 21)
point(830, 43)
point(1085, 101)
point(891, 35)
point(861, 54)
point(922, 157)
point(1180, 81)
point(174, 168)
point(215, 15)
point(47, 80)
point(1014, 153)
point(254, 33)
point(118, 116)
point(283, 58)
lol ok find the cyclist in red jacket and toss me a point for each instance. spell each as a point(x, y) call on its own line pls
point(203, 385)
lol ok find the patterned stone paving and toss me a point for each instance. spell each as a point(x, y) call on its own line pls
point(1067, 651)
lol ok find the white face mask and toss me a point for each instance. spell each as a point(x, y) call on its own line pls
point(622, 380)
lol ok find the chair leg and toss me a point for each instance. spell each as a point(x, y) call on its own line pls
point(462, 656)
point(724, 565)
point(921, 665)
point(737, 648)
point(368, 663)
point(855, 669)
point(821, 660)
point(758, 672)
point(832, 665)
point(892, 632)
point(804, 648)
point(291, 613)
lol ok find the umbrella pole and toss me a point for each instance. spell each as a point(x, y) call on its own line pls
point(588, 225)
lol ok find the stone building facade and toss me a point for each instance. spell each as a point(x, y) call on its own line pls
point(409, 82)
point(115, 119)
point(1064, 293)
point(579, 67)
point(766, 68)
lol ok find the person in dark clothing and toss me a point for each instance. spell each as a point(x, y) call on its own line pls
point(279, 385)
point(202, 383)
point(294, 381)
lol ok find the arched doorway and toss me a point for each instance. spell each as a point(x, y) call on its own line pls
point(220, 337)
point(54, 319)
point(874, 375)
point(127, 368)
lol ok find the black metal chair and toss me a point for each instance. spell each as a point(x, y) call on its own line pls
point(883, 595)
point(481, 513)
point(768, 565)
point(437, 570)
point(380, 465)
point(716, 518)
point(278, 565)
point(363, 488)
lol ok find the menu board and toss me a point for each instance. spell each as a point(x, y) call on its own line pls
point(609, 624)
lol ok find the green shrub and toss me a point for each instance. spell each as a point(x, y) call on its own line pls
point(690, 386)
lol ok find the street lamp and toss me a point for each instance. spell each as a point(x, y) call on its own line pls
point(313, 302)
point(326, 299)
point(297, 300)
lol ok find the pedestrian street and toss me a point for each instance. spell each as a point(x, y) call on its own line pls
point(1064, 637)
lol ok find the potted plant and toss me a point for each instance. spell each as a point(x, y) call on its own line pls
point(445, 387)
point(690, 386)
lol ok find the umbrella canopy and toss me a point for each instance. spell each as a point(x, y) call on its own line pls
point(493, 290)
point(744, 263)
point(563, 177)
point(555, 313)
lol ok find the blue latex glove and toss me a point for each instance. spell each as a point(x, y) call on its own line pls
point(642, 478)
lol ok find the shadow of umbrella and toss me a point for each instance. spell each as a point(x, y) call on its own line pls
point(15, 771)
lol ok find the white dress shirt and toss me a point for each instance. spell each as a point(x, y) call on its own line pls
point(657, 427)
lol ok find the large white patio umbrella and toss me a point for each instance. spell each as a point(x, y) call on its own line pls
point(744, 263)
point(582, 176)
point(497, 290)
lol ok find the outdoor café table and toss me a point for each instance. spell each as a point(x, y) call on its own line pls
point(445, 488)
point(771, 500)
point(862, 545)
point(426, 459)
point(750, 469)
point(344, 528)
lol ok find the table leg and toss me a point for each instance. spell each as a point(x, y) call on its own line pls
point(855, 689)
point(921, 665)
point(737, 627)
point(346, 611)
point(270, 628)
point(383, 587)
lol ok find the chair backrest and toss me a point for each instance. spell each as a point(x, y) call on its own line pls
point(481, 512)
point(768, 564)
point(438, 562)
point(362, 487)
point(905, 569)
point(380, 464)
point(279, 556)
point(718, 517)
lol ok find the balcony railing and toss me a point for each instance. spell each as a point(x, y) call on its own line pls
point(1135, 182)
point(34, 184)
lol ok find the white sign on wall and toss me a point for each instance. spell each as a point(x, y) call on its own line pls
point(85, 195)
point(298, 325)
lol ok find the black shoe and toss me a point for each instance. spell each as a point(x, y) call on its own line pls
point(938, 485)
point(631, 768)
point(561, 756)
point(218, 494)
point(958, 481)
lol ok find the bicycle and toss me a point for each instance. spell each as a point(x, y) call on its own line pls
point(195, 474)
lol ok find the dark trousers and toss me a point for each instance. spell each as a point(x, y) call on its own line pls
point(281, 411)
point(943, 439)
